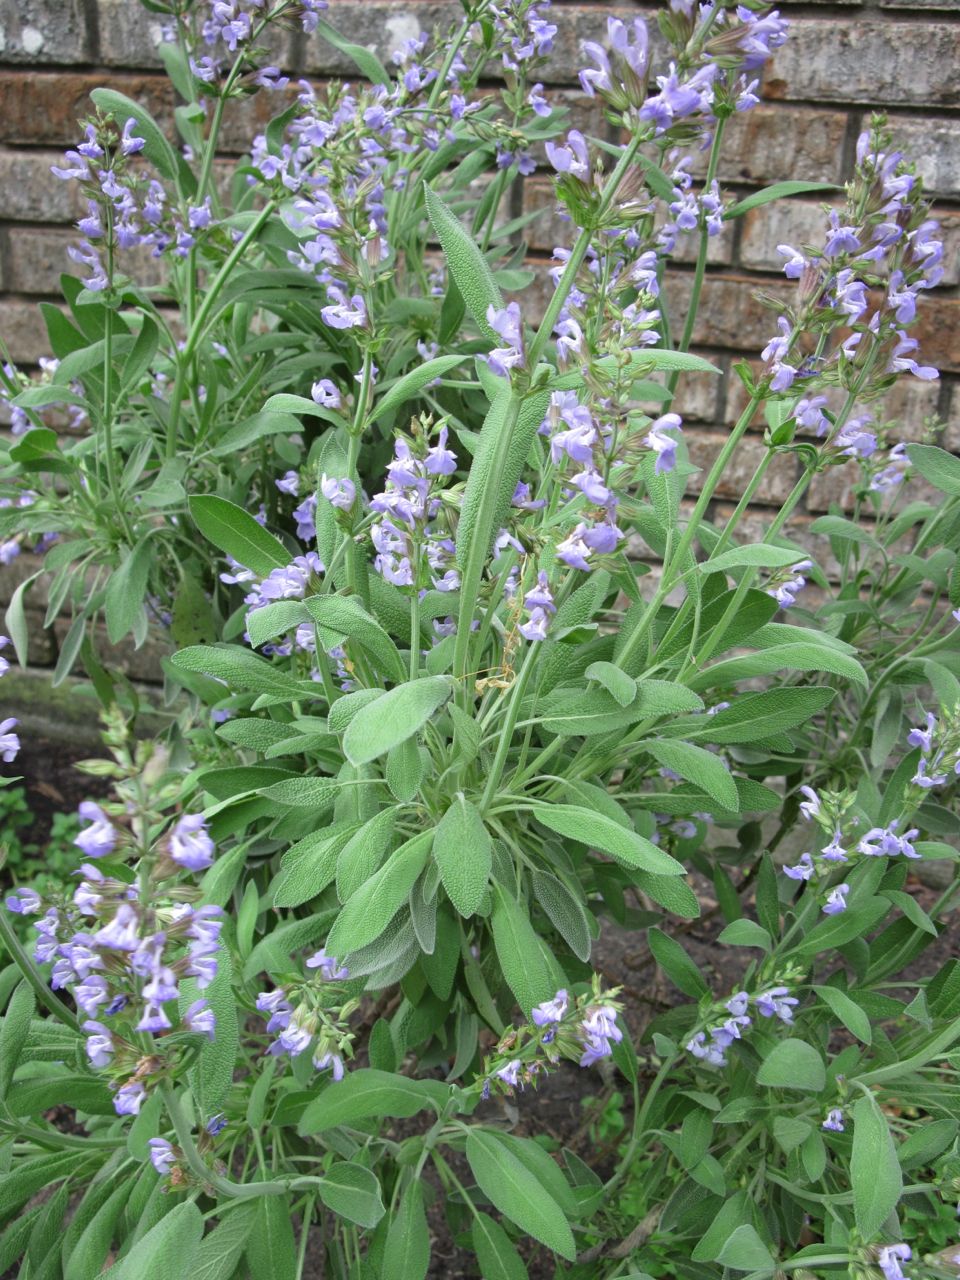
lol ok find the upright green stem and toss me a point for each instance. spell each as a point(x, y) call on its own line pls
point(669, 578)
point(517, 690)
point(200, 319)
point(701, 266)
point(414, 636)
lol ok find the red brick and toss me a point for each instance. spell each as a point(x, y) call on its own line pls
point(770, 143)
point(42, 108)
point(862, 60)
point(704, 446)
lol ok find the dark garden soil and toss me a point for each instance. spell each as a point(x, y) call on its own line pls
point(557, 1108)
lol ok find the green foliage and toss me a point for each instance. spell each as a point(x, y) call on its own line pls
point(426, 739)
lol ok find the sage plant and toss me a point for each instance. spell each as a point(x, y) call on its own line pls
point(433, 725)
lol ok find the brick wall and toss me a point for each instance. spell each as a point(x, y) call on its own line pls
point(841, 61)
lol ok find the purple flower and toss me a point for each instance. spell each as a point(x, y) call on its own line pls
point(508, 323)
point(99, 1044)
point(539, 601)
point(854, 441)
point(216, 1124)
point(677, 99)
point(91, 992)
point(842, 239)
point(99, 838)
point(129, 142)
point(796, 263)
point(128, 1099)
point(803, 870)
point(294, 1039)
point(708, 1051)
point(190, 845)
point(836, 900)
point(538, 102)
point(809, 415)
point(901, 362)
point(760, 35)
point(340, 493)
point(574, 550)
point(577, 443)
point(892, 474)
point(162, 1155)
point(776, 1002)
point(889, 1259)
point(330, 1061)
point(330, 968)
point(510, 1073)
point(551, 1011)
point(574, 158)
point(324, 392)
point(25, 902)
point(201, 1019)
point(834, 1121)
point(923, 778)
point(923, 737)
point(344, 313)
point(738, 1004)
point(9, 741)
point(598, 1033)
point(289, 484)
point(440, 461)
point(665, 446)
point(834, 851)
point(810, 808)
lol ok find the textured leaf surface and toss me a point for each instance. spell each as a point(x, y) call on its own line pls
point(365, 1093)
point(519, 1196)
point(467, 264)
point(874, 1168)
point(394, 717)
point(600, 832)
point(463, 852)
point(375, 903)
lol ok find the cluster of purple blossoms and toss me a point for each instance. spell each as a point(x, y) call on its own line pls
point(732, 44)
point(882, 246)
point(413, 547)
point(939, 744)
point(585, 1029)
point(122, 954)
point(711, 1044)
point(507, 323)
point(230, 27)
point(687, 209)
point(126, 208)
point(878, 842)
point(787, 586)
point(575, 438)
point(889, 474)
point(525, 35)
point(538, 601)
point(300, 1022)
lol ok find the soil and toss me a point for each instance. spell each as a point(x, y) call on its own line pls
point(556, 1109)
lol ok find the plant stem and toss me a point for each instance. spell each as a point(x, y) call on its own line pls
point(206, 1175)
point(506, 730)
point(700, 269)
point(200, 319)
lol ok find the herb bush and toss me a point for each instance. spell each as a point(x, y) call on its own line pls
point(427, 726)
